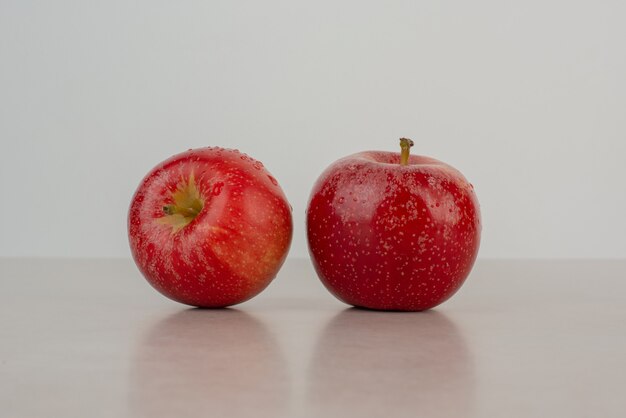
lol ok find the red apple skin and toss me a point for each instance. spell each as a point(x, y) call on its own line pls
point(392, 237)
point(235, 245)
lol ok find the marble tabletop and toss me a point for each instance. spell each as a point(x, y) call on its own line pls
point(90, 338)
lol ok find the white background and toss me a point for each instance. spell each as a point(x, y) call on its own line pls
point(528, 99)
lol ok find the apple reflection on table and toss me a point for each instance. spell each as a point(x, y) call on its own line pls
point(375, 364)
point(218, 362)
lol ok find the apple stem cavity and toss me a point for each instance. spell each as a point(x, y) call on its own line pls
point(188, 203)
point(405, 147)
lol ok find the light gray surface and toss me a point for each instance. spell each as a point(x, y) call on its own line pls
point(90, 338)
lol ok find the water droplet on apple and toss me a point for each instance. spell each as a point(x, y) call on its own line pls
point(217, 188)
point(342, 199)
point(273, 180)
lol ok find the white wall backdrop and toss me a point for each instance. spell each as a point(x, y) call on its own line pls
point(528, 99)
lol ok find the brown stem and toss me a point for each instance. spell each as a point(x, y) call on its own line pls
point(405, 147)
point(172, 209)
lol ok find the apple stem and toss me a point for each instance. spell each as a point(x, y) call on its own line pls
point(405, 146)
point(172, 209)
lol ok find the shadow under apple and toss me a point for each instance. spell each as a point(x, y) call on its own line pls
point(209, 362)
point(375, 364)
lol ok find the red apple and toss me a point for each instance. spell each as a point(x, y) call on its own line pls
point(391, 231)
point(209, 227)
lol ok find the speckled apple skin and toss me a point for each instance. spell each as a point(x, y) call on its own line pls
point(391, 237)
point(234, 247)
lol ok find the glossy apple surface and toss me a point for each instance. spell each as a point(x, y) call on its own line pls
point(209, 227)
point(388, 236)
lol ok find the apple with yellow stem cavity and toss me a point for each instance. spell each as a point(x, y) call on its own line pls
point(209, 227)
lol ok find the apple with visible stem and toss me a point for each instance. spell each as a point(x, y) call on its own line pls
point(393, 231)
point(209, 227)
